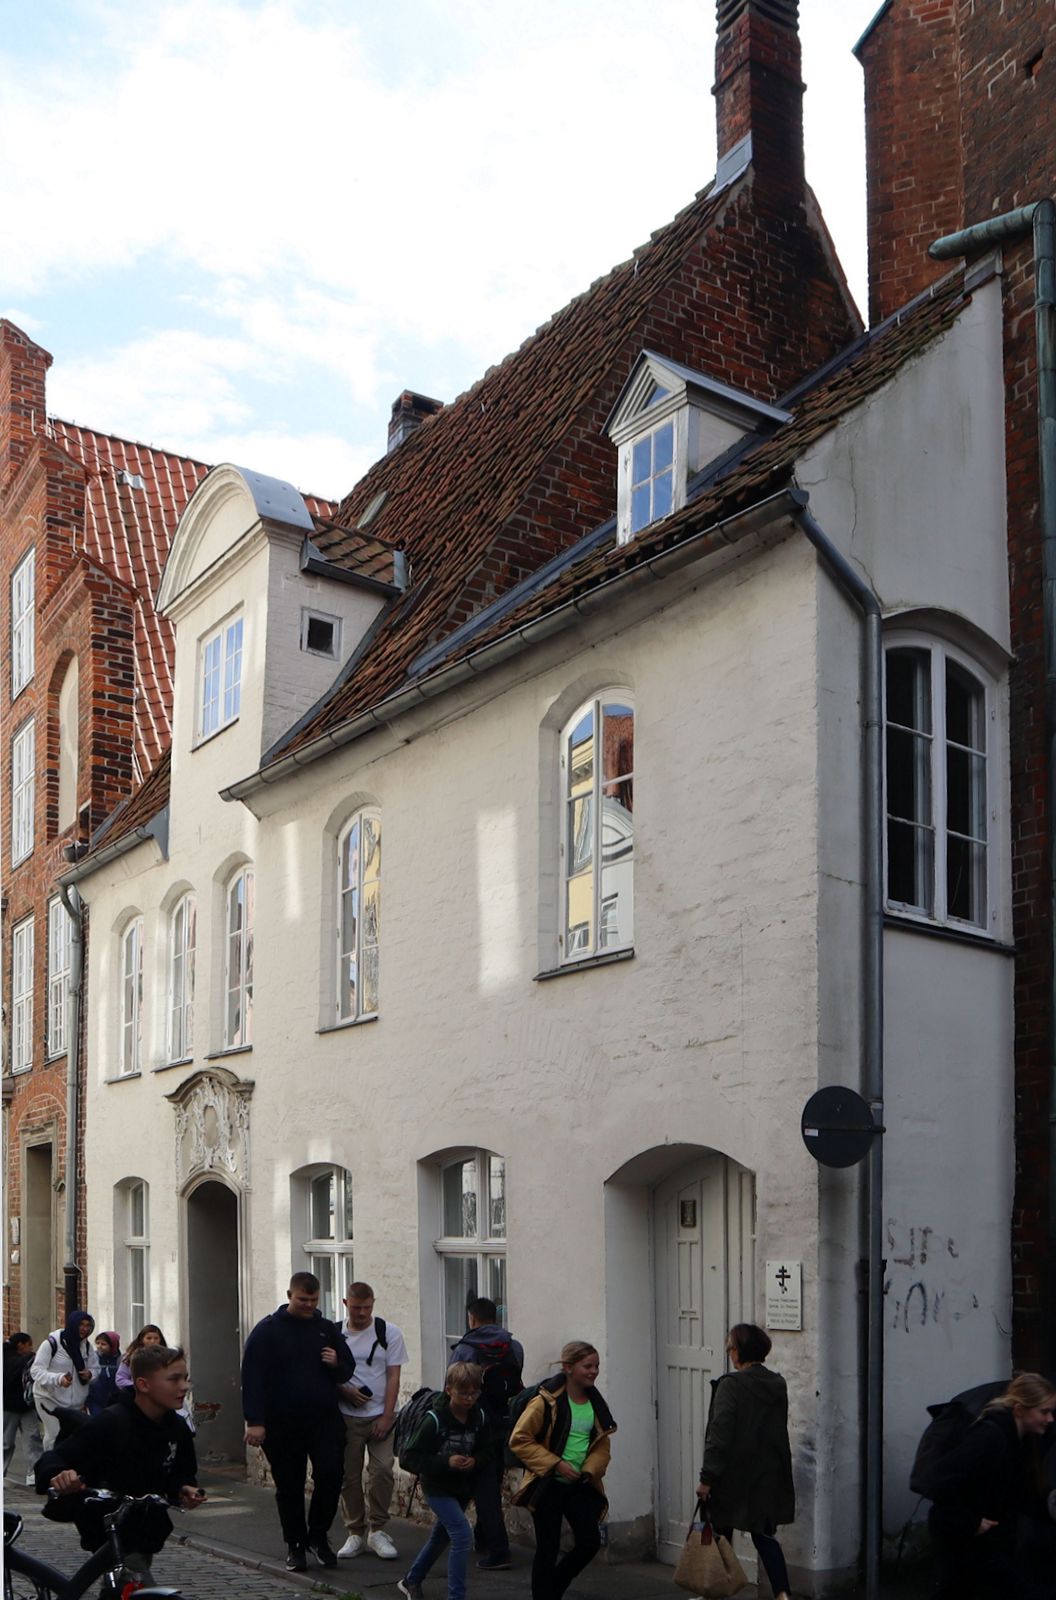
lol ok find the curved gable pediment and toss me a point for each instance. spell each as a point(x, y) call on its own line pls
point(226, 507)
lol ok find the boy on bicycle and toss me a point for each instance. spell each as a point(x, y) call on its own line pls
point(137, 1446)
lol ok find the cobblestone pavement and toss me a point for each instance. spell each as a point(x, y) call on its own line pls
point(196, 1573)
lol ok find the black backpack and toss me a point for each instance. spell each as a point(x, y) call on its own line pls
point(409, 1419)
point(947, 1429)
point(501, 1380)
point(519, 1403)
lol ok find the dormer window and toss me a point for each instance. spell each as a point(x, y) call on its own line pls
point(220, 677)
point(668, 423)
point(652, 476)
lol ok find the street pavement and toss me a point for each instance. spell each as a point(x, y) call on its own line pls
point(231, 1549)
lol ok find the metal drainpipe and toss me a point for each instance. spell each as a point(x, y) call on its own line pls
point(854, 586)
point(1040, 216)
point(71, 1272)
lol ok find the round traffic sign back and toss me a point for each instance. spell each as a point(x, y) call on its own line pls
point(838, 1127)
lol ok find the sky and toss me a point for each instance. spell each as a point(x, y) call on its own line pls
point(243, 227)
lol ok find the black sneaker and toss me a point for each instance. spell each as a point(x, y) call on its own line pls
point(495, 1563)
point(296, 1558)
point(322, 1552)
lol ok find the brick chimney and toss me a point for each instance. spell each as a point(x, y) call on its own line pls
point(23, 366)
point(759, 90)
point(409, 411)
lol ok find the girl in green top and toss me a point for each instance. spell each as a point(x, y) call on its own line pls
point(562, 1437)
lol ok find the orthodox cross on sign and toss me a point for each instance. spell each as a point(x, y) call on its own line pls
point(783, 1277)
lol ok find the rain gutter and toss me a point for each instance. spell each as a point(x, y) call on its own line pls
point(1039, 218)
point(850, 581)
point(157, 829)
point(692, 548)
point(70, 1271)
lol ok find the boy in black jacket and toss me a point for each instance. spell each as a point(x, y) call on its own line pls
point(451, 1451)
point(136, 1446)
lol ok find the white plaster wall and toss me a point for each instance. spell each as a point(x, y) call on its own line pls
point(742, 996)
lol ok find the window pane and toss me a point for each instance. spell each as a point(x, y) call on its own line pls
point(908, 683)
point(617, 741)
point(662, 495)
point(369, 972)
point(371, 848)
point(580, 833)
point(137, 1216)
point(497, 1197)
point(581, 755)
point(909, 864)
point(965, 704)
point(965, 792)
point(641, 507)
point(579, 914)
point(496, 1282)
point(347, 1186)
point(137, 1286)
point(460, 1287)
point(322, 1206)
point(641, 461)
point(966, 880)
point(323, 1267)
point(663, 448)
point(908, 775)
point(460, 1200)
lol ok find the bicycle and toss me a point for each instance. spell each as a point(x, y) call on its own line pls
point(46, 1582)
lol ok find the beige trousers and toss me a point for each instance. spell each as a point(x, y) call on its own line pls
point(359, 1442)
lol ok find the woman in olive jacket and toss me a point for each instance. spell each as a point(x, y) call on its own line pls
point(746, 1478)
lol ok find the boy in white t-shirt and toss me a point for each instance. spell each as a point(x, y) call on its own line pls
point(368, 1403)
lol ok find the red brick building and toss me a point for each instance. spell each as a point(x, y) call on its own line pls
point(85, 524)
point(960, 106)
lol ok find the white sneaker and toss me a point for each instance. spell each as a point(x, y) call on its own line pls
point(380, 1543)
point(353, 1546)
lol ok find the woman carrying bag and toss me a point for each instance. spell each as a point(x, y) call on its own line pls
point(746, 1478)
point(562, 1438)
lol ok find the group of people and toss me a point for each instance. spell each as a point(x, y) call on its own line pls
point(317, 1392)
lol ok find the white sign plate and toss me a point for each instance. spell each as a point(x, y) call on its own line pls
point(784, 1296)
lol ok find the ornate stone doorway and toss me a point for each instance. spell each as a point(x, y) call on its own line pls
point(212, 1174)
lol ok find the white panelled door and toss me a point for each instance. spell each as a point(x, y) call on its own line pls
point(703, 1228)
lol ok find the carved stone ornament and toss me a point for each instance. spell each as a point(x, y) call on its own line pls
point(212, 1126)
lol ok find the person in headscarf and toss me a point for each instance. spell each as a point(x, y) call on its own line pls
point(62, 1372)
point(103, 1387)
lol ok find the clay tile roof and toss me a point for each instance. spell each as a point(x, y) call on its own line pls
point(141, 807)
point(487, 444)
point(128, 529)
point(466, 470)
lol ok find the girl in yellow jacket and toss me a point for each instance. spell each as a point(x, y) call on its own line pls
point(562, 1437)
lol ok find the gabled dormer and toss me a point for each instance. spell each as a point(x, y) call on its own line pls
point(667, 424)
point(268, 606)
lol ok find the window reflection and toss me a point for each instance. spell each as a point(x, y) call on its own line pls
point(599, 829)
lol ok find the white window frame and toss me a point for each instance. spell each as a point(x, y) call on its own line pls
point(940, 652)
point(486, 1252)
point(183, 938)
point(309, 615)
point(23, 623)
point(218, 695)
point(238, 972)
point(669, 409)
point(60, 964)
point(130, 1057)
point(22, 995)
point(331, 1258)
point(362, 949)
point(23, 790)
point(572, 947)
point(136, 1248)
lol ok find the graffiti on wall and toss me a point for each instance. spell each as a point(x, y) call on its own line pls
point(921, 1285)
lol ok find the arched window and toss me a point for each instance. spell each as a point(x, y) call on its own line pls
point(597, 846)
point(238, 961)
point(938, 781)
point(472, 1234)
point(359, 916)
point(132, 996)
point(69, 731)
point(183, 938)
point(321, 1212)
point(132, 1254)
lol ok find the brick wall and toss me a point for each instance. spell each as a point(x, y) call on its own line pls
point(1002, 63)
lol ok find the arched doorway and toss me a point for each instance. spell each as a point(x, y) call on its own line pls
point(703, 1225)
point(214, 1333)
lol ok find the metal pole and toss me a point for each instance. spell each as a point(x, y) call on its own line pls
point(71, 1272)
